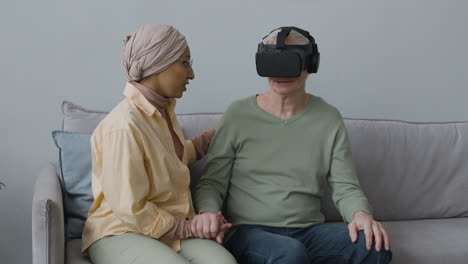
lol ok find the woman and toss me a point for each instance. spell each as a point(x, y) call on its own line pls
point(143, 209)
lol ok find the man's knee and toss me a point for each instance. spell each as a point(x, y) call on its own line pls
point(288, 250)
point(292, 251)
point(381, 257)
point(296, 253)
point(372, 255)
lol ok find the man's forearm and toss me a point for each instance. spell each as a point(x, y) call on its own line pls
point(207, 199)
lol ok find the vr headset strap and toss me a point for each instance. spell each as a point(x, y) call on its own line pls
point(282, 35)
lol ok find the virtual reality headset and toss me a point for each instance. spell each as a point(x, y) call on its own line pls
point(280, 60)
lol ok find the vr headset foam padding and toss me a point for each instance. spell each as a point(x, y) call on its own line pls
point(280, 60)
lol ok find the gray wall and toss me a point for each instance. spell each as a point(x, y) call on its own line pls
point(400, 59)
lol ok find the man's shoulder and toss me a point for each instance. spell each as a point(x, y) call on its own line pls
point(239, 107)
point(240, 103)
point(325, 108)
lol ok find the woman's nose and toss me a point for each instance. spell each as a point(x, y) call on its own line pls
point(191, 74)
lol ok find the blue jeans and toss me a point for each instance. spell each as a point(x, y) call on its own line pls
point(254, 244)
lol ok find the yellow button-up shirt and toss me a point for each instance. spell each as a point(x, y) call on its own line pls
point(139, 184)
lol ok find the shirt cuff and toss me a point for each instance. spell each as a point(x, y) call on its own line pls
point(162, 224)
point(209, 205)
point(349, 212)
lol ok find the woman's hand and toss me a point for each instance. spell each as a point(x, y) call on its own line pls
point(210, 225)
point(202, 142)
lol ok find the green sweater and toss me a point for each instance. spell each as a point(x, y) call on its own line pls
point(264, 170)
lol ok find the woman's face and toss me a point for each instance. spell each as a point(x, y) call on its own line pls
point(288, 86)
point(171, 82)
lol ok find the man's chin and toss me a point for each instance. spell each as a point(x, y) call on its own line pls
point(284, 90)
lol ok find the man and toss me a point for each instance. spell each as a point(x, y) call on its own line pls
point(268, 165)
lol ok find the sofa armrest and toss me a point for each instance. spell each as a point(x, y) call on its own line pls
point(48, 238)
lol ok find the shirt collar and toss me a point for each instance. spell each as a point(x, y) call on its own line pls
point(137, 98)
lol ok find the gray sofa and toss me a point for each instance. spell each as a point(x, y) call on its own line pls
point(415, 176)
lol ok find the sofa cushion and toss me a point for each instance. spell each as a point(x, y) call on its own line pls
point(412, 170)
point(429, 241)
point(79, 119)
point(73, 253)
point(75, 173)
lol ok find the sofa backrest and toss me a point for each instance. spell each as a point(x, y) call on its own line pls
point(412, 170)
point(408, 171)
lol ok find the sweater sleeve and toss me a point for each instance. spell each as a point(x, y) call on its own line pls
point(213, 185)
point(344, 184)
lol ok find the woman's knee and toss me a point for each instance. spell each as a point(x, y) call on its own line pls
point(204, 251)
point(132, 248)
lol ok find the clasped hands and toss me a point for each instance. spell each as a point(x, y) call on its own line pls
point(209, 225)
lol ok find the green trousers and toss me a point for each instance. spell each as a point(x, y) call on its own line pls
point(139, 249)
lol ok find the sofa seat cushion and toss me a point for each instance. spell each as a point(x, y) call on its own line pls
point(419, 241)
point(73, 253)
point(429, 241)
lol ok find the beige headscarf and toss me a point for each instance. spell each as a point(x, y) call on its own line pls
point(152, 49)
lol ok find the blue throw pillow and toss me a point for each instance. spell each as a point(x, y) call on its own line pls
point(75, 170)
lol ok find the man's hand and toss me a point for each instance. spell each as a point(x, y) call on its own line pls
point(210, 225)
point(223, 227)
point(372, 228)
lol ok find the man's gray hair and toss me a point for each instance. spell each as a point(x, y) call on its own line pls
point(294, 38)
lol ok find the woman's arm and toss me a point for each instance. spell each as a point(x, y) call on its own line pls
point(191, 152)
point(125, 183)
point(202, 142)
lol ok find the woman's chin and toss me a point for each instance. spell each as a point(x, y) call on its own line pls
point(180, 95)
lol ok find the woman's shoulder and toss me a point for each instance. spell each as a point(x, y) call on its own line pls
point(123, 117)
